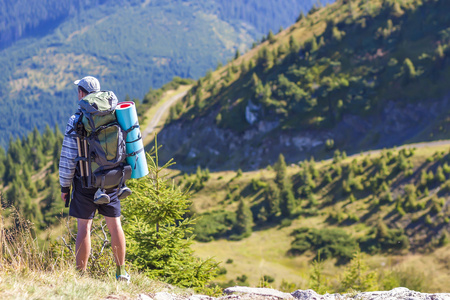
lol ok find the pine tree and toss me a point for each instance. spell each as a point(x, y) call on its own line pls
point(244, 220)
point(358, 277)
point(55, 155)
point(300, 17)
point(280, 169)
point(440, 174)
point(237, 54)
point(11, 169)
point(36, 139)
point(28, 182)
point(48, 140)
point(272, 198)
point(16, 151)
point(288, 205)
point(293, 45)
point(287, 200)
point(159, 233)
point(317, 282)
point(271, 37)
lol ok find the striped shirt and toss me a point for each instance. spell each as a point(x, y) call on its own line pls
point(69, 152)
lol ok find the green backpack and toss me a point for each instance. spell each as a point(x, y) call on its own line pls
point(101, 142)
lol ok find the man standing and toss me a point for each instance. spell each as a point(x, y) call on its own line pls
point(82, 205)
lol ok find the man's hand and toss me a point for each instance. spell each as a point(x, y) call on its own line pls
point(66, 198)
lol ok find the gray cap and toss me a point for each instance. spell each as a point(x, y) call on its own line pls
point(89, 83)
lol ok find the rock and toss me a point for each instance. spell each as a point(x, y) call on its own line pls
point(248, 293)
point(164, 296)
point(399, 293)
point(266, 292)
point(251, 112)
point(402, 293)
point(311, 295)
point(305, 142)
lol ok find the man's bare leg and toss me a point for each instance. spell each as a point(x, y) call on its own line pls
point(117, 239)
point(83, 243)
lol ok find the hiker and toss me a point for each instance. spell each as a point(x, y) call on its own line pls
point(82, 205)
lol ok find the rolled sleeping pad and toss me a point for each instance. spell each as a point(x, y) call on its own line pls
point(127, 117)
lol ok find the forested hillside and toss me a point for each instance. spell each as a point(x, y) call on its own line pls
point(354, 75)
point(29, 177)
point(24, 18)
point(130, 45)
point(387, 204)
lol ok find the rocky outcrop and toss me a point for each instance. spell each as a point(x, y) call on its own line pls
point(201, 142)
point(247, 293)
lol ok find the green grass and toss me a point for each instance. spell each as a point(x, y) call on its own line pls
point(66, 283)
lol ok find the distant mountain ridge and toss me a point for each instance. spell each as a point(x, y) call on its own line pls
point(138, 45)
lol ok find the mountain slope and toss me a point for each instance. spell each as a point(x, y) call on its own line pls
point(392, 205)
point(131, 45)
point(355, 75)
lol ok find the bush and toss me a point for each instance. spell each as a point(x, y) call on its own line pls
point(258, 184)
point(213, 225)
point(383, 239)
point(329, 242)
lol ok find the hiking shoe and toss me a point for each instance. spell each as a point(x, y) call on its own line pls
point(100, 197)
point(123, 193)
point(126, 278)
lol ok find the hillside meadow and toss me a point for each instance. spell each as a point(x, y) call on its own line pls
point(274, 247)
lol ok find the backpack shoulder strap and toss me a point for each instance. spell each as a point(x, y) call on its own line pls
point(78, 128)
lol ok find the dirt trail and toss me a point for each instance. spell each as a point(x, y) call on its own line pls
point(157, 117)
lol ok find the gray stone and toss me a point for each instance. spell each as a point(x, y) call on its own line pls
point(164, 296)
point(248, 293)
point(258, 291)
point(394, 294)
point(401, 293)
point(312, 295)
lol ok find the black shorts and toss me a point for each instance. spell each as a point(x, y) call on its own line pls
point(82, 205)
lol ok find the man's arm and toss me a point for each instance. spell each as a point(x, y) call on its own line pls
point(67, 162)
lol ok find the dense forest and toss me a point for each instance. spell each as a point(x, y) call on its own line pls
point(130, 45)
point(29, 171)
point(367, 74)
point(26, 18)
